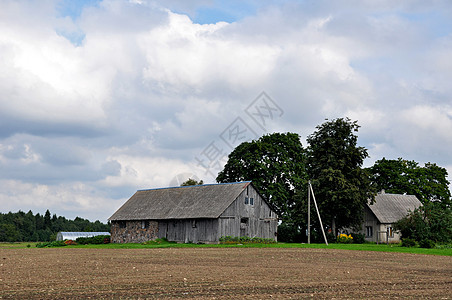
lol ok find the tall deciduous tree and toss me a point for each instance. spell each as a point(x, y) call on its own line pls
point(428, 183)
point(191, 181)
point(341, 186)
point(275, 163)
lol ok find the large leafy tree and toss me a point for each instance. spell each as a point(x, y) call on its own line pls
point(428, 183)
point(275, 163)
point(334, 163)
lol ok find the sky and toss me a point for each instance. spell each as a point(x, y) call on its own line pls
point(99, 99)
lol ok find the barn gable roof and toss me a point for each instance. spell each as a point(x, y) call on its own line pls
point(389, 208)
point(185, 202)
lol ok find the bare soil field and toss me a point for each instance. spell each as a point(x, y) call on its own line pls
point(221, 273)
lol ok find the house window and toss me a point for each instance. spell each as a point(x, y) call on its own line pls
point(144, 224)
point(369, 231)
point(247, 200)
point(251, 201)
point(390, 232)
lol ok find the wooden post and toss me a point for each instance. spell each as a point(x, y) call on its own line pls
point(318, 214)
point(309, 213)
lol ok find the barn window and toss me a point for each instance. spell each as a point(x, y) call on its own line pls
point(122, 224)
point(251, 201)
point(369, 231)
point(193, 223)
point(144, 224)
point(247, 200)
point(244, 221)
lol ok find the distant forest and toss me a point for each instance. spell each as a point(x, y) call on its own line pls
point(27, 227)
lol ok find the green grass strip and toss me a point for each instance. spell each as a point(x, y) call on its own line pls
point(445, 250)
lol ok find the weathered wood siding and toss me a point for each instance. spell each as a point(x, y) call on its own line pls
point(252, 218)
point(189, 230)
point(243, 218)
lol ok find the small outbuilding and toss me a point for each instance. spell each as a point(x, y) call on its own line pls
point(197, 214)
point(61, 236)
point(380, 216)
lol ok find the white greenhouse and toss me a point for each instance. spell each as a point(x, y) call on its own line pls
point(61, 236)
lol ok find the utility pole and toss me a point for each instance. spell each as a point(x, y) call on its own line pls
point(309, 213)
point(318, 213)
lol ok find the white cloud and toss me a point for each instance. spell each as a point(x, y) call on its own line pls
point(70, 200)
point(83, 124)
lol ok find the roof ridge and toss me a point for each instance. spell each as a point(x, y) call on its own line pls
point(186, 186)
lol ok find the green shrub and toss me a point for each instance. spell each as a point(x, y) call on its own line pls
point(158, 241)
point(426, 243)
point(98, 239)
point(358, 238)
point(290, 233)
point(408, 242)
point(245, 240)
point(431, 222)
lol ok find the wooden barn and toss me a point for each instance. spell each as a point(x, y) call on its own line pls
point(197, 214)
point(380, 217)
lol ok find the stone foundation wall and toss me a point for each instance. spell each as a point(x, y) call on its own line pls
point(132, 231)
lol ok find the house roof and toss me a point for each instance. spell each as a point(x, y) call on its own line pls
point(185, 202)
point(389, 208)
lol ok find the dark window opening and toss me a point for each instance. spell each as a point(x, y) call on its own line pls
point(144, 224)
point(244, 221)
point(369, 231)
point(193, 224)
point(122, 224)
point(247, 200)
point(251, 201)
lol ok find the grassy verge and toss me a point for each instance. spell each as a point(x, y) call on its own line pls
point(439, 250)
point(17, 245)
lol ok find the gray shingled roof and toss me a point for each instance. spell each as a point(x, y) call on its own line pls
point(200, 201)
point(389, 208)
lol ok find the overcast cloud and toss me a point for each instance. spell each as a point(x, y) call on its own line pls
point(101, 98)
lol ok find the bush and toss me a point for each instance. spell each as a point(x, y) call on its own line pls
point(406, 242)
point(428, 222)
point(290, 233)
point(158, 241)
point(358, 238)
point(425, 243)
point(245, 240)
point(344, 239)
point(98, 239)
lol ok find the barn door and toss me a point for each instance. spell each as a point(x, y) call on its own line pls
point(244, 227)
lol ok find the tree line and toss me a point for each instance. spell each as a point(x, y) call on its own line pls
point(29, 227)
point(280, 168)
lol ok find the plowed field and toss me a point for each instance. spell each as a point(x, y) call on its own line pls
point(221, 273)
